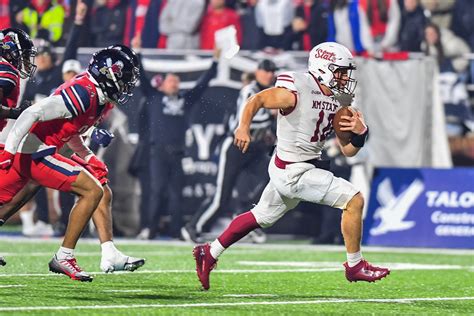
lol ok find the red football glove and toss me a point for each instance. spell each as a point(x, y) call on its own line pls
point(6, 160)
point(97, 173)
point(98, 166)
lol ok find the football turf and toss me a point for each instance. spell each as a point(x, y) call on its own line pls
point(259, 280)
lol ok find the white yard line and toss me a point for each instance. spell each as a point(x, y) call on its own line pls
point(11, 285)
point(125, 291)
point(237, 304)
point(249, 295)
point(125, 241)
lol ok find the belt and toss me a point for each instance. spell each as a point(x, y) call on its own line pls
point(321, 164)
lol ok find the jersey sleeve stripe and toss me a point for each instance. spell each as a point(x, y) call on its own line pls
point(68, 103)
point(73, 99)
point(82, 96)
point(8, 68)
point(285, 76)
point(283, 79)
point(13, 82)
point(9, 74)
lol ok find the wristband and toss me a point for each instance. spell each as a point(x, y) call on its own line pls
point(359, 140)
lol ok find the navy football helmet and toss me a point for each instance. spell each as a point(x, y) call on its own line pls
point(115, 73)
point(18, 49)
point(129, 52)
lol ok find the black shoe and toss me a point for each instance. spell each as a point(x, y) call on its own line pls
point(2, 261)
point(189, 233)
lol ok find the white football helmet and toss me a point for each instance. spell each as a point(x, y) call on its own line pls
point(325, 59)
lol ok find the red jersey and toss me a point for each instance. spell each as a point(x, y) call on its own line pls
point(81, 99)
point(10, 84)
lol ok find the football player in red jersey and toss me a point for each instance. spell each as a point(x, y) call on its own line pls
point(31, 148)
point(17, 61)
point(112, 259)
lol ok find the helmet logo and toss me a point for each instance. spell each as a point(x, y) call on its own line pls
point(115, 68)
point(324, 54)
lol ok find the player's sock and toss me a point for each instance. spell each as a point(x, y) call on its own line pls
point(354, 258)
point(238, 228)
point(109, 250)
point(216, 249)
point(64, 253)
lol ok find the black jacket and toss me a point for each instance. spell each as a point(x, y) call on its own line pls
point(168, 115)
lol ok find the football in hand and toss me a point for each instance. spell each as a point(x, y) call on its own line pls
point(344, 136)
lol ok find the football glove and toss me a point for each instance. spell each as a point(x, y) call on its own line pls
point(102, 137)
point(6, 160)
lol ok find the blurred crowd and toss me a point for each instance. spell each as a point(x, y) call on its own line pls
point(439, 27)
point(389, 29)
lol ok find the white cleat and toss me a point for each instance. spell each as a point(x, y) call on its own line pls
point(121, 263)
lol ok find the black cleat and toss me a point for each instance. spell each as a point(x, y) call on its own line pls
point(2, 261)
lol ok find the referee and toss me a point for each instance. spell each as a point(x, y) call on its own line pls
point(232, 162)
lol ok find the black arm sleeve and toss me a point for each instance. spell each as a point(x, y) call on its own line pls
point(145, 84)
point(72, 44)
point(202, 83)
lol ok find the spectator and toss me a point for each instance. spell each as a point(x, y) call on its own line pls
point(250, 30)
point(462, 23)
point(71, 68)
point(413, 23)
point(5, 21)
point(310, 26)
point(446, 47)
point(168, 111)
point(44, 19)
point(218, 17)
point(439, 12)
point(384, 21)
point(108, 22)
point(179, 21)
point(233, 163)
point(348, 25)
point(449, 49)
point(274, 19)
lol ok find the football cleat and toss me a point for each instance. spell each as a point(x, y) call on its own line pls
point(204, 264)
point(364, 271)
point(2, 261)
point(189, 233)
point(121, 263)
point(70, 268)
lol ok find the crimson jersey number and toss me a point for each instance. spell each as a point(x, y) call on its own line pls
point(318, 135)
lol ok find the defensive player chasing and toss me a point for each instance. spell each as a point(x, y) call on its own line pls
point(307, 103)
point(17, 54)
point(62, 118)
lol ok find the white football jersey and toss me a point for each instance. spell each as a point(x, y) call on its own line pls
point(302, 131)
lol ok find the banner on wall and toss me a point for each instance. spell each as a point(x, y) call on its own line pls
point(421, 208)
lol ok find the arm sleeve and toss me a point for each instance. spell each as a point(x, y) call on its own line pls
point(72, 44)
point(48, 109)
point(76, 143)
point(286, 80)
point(202, 83)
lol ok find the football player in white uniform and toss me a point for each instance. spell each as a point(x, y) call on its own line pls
point(307, 103)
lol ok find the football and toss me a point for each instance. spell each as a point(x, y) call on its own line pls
point(344, 136)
